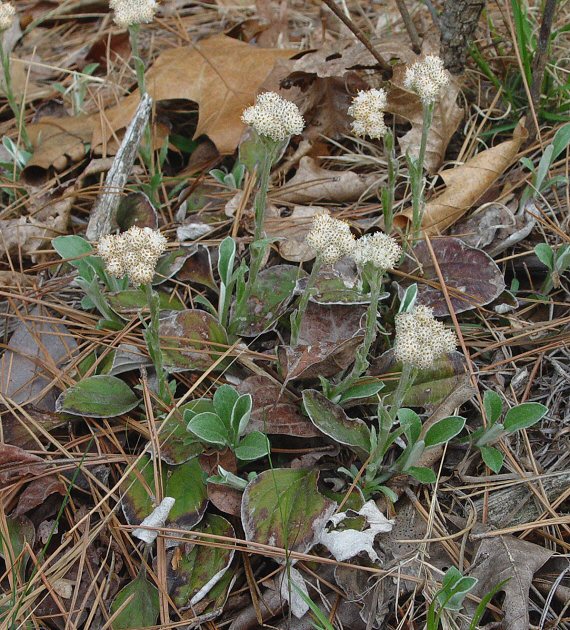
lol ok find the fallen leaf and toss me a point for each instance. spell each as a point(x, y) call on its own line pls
point(16, 463)
point(465, 185)
point(457, 262)
point(275, 410)
point(30, 366)
point(36, 492)
point(312, 183)
point(328, 339)
point(508, 558)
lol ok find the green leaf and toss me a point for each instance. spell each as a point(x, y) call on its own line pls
point(523, 416)
point(492, 457)
point(444, 430)
point(177, 444)
point(133, 301)
point(253, 446)
point(187, 485)
point(422, 474)
point(561, 141)
point(411, 423)
point(224, 399)
point(226, 257)
point(545, 254)
point(143, 607)
point(282, 507)
point(409, 299)
point(333, 421)
point(241, 413)
point(197, 571)
point(361, 390)
point(20, 531)
point(493, 406)
point(99, 396)
point(209, 427)
point(169, 264)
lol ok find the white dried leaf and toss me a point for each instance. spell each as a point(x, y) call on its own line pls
point(157, 518)
point(297, 605)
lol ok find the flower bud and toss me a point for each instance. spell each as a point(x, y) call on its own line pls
point(129, 12)
point(330, 238)
point(427, 78)
point(7, 15)
point(274, 117)
point(367, 109)
point(378, 249)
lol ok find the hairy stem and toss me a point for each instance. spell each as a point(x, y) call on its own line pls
point(297, 315)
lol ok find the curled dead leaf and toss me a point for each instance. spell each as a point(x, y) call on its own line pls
point(311, 183)
point(466, 184)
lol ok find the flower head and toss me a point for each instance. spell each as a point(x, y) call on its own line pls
point(274, 117)
point(421, 339)
point(379, 249)
point(7, 14)
point(367, 109)
point(427, 78)
point(129, 12)
point(133, 253)
point(330, 238)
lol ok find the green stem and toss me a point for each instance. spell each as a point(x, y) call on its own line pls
point(11, 98)
point(407, 378)
point(152, 338)
point(417, 173)
point(134, 30)
point(388, 193)
point(297, 315)
point(361, 361)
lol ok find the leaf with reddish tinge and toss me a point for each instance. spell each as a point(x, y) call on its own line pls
point(471, 276)
point(195, 569)
point(271, 293)
point(430, 386)
point(275, 410)
point(328, 339)
point(283, 508)
point(16, 463)
point(191, 340)
point(36, 493)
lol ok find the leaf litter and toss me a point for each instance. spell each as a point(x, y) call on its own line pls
point(79, 475)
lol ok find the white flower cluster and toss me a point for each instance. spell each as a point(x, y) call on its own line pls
point(134, 253)
point(379, 249)
point(367, 109)
point(7, 14)
point(274, 117)
point(421, 339)
point(427, 78)
point(330, 238)
point(129, 12)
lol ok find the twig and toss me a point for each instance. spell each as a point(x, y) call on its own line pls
point(433, 12)
point(358, 34)
point(108, 201)
point(410, 27)
point(540, 56)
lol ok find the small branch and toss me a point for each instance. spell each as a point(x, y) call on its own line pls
point(458, 23)
point(105, 207)
point(410, 27)
point(358, 34)
point(540, 57)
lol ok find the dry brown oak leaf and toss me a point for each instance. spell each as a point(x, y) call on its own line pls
point(465, 185)
point(222, 75)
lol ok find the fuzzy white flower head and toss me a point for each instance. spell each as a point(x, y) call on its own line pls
point(379, 249)
point(421, 339)
point(133, 253)
point(129, 12)
point(330, 238)
point(367, 109)
point(7, 15)
point(427, 78)
point(274, 117)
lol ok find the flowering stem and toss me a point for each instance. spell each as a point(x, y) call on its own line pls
point(407, 378)
point(389, 192)
point(134, 30)
point(152, 339)
point(361, 362)
point(297, 315)
point(12, 102)
point(417, 172)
